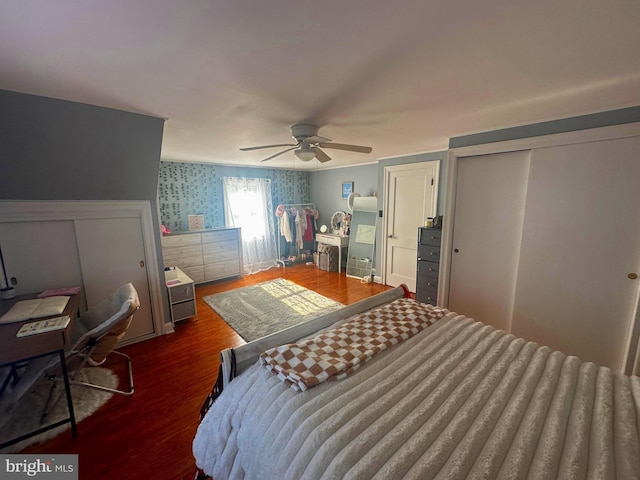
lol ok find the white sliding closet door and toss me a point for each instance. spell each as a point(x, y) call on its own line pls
point(581, 240)
point(489, 206)
point(40, 255)
point(112, 254)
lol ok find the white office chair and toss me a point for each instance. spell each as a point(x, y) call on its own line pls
point(95, 334)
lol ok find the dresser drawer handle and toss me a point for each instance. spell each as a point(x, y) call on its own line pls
point(430, 269)
point(431, 253)
point(433, 237)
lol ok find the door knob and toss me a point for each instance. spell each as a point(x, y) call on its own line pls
point(141, 263)
point(456, 250)
point(389, 236)
point(633, 276)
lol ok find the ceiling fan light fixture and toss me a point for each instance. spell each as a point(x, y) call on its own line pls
point(305, 154)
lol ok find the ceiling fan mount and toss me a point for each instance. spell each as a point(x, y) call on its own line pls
point(308, 144)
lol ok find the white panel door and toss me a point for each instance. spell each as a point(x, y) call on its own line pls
point(411, 199)
point(112, 254)
point(489, 207)
point(581, 241)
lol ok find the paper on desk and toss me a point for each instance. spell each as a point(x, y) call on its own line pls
point(36, 308)
point(43, 326)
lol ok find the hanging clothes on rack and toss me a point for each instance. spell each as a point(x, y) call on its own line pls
point(296, 226)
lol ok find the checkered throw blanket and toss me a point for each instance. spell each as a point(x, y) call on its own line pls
point(337, 352)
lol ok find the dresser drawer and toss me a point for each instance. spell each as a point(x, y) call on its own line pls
point(429, 253)
point(428, 269)
point(430, 236)
point(188, 261)
point(427, 295)
point(173, 253)
point(181, 240)
point(222, 270)
point(220, 236)
point(222, 256)
point(216, 248)
point(196, 273)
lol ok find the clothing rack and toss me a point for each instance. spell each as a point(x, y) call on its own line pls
point(279, 261)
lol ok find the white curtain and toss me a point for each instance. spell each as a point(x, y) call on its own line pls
point(248, 205)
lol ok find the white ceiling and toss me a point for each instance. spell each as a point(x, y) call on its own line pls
point(400, 76)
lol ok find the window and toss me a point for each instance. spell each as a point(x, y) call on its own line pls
point(248, 205)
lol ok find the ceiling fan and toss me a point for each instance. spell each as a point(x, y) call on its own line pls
point(309, 145)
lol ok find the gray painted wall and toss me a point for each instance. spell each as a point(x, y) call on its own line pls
point(388, 162)
point(58, 150)
point(572, 124)
point(326, 188)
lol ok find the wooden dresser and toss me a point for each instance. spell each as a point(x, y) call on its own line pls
point(428, 265)
point(205, 255)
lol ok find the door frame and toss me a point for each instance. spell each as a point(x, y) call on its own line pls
point(632, 349)
point(388, 170)
point(37, 210)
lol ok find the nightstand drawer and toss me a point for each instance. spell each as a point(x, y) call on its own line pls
point(184, 310)
point(180, 293)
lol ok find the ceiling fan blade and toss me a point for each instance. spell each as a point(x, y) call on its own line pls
point(348, 148)
point(246, 149)
point(321, 156)
point(280, 153)
point(316, 139)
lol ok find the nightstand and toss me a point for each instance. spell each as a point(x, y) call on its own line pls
point(182, 299)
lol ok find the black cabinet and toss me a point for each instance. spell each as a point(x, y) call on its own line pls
point(429, 240)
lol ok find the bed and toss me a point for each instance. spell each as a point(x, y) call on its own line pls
point(457, 399)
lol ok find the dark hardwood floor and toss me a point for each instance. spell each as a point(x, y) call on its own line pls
point(149, 434)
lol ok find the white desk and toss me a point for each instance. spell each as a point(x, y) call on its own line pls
point(335, 240)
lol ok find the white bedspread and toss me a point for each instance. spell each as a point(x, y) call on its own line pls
point(458, 400)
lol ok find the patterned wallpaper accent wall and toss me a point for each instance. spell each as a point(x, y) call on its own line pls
point(194, 188)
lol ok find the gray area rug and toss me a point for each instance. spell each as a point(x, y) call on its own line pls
point(26, 416)
point(265, 308)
